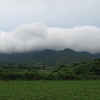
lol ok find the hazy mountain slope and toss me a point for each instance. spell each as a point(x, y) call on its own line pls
point(49, 56)
point(29, 56)
point(40, 55)
point(67, 56)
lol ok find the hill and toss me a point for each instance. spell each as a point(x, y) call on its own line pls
point(66, 56)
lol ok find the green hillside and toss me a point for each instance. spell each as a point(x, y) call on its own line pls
point(66, 56)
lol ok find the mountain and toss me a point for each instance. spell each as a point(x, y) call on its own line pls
point(66, 56)
point(28, 56)
point(86, 53)
point(41, 55)
point(97, 55)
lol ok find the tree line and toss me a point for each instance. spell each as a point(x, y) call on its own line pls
point(77, 71)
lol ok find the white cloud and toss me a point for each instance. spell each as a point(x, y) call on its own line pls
point(36, 36)
point(24, 38)
point(84, 38)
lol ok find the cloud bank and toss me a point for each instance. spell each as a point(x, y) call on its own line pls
point(35, 36)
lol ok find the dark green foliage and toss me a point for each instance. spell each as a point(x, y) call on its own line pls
point(88, 70)
point(83, 70)
point(78, 71)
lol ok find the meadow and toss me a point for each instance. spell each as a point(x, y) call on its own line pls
point(50, 90)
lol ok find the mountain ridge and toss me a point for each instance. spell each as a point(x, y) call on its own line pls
point(49, 56)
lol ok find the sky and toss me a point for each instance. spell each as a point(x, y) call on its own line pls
point(30, 25)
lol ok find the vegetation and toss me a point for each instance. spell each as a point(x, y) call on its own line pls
point(77, 71)
point(50, 90)
point(66, 56)
point(29, 81)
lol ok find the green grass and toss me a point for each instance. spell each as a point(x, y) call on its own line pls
point(50, 90)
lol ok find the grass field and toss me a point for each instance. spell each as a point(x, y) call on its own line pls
point(50, 90)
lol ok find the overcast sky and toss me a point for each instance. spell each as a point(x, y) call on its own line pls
point(28, 25)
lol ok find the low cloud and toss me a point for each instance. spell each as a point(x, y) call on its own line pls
point(35, 36)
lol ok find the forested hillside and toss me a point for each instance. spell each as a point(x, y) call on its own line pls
point(66, 56)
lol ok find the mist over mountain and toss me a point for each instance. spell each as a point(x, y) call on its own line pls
point(35, 25)
point(36, 37)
